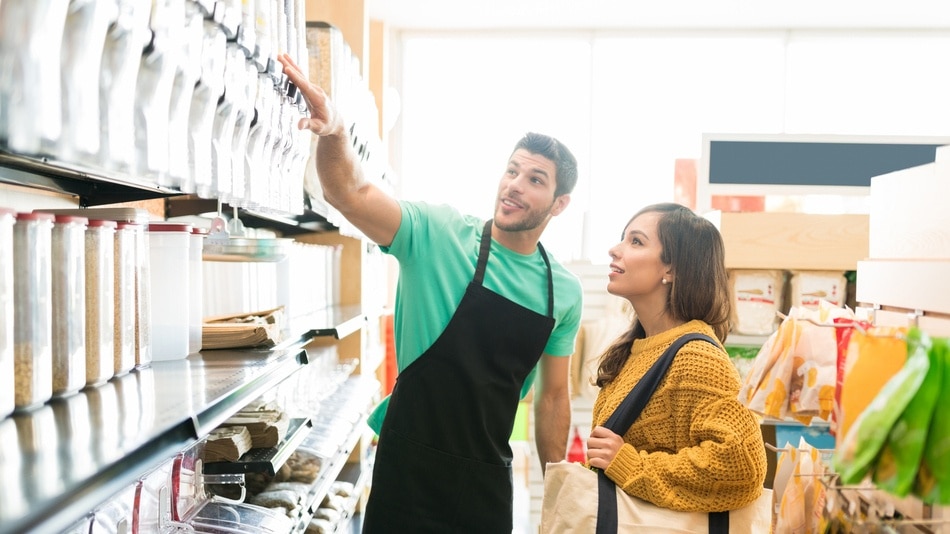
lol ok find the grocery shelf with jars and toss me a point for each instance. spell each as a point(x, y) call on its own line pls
point(188, 334)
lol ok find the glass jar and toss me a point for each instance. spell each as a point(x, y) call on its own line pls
point(7, 219)
point(170, 245)
point(33, 309)
point(100, 301)
point(69, 304)
point(124, 299)
point(143, 289)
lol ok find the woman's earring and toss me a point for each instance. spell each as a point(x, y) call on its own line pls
point(664, 281)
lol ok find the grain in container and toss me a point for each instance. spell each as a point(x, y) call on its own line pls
point(196, 292)
point(33, 310)
point(143, 305)
point(124, 299)
point(69, 304)
point(170, 246)
point(100, 301)
point(7, 219)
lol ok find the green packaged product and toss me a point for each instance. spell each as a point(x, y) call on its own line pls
point(933, 477)
point(854, 459)
point(897, 464)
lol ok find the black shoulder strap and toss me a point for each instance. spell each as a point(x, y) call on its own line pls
point(629, 410)
point(621, 420)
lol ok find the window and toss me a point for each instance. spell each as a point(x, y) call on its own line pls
point(630, 103)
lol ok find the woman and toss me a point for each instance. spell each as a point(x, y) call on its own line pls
point(695, 447)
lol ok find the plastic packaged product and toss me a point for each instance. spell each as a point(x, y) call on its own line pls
point(122, 52)
point(239, 517)
point(143, 296)
point(124, 299)
point(32, 318)
point(69, 304)
point(100, 301)
point(170, 245)
point(83, 41)
point(196, 291)
point(7, 219)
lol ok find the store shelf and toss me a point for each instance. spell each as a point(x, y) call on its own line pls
point(63, 459)
point(265, 460)
point(286, 224)
point(335, 323)
point(93, 186)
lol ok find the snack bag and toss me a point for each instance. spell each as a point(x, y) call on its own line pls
point(861, 445)
point(933, 477)
point(897, 464)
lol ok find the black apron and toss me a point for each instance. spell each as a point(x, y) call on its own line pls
point(443, 462)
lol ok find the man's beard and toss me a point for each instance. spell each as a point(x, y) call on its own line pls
point(531, 220)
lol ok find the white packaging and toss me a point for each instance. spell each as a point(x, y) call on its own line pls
point(756, 299)
point(809, 288)
point(169, 274)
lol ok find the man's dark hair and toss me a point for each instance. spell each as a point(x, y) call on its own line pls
point(556, 151)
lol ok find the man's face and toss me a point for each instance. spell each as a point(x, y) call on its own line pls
point(526, 193)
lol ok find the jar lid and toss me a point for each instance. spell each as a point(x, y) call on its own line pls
point(102, 222)
point(34, 216)
point(169, 227)
point(70, 219)
point(8, 211)
point(199, 230)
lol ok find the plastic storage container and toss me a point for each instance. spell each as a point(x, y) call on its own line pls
point(196, 293)
point(100, 301)
point(143, 290)
point(170, 248)
point(7, 219)
point(124, 299)
point(33, 310)
point(69, 304)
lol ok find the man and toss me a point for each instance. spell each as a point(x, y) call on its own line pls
point(479, 307)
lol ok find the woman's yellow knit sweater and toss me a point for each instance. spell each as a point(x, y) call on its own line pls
point(695, 447)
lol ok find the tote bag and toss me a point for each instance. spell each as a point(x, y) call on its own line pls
point(569, 506)
point(570, 489)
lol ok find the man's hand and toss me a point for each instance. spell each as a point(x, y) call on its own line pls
point(323, 119)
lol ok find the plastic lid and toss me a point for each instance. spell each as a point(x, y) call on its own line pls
point(70, 219)
point(7, 211)
point(102, 222)
point(199, 230)
point(169, 227)
point(34, 216)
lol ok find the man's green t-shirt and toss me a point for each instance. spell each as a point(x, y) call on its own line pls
point(437, 249)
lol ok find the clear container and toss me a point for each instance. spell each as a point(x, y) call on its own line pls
point(100, 301)
point(69, 304)
point(196, 292)
point(7, 220)
point(124, 299)
point(33, 309)
point(143, 292)
point(170, 246)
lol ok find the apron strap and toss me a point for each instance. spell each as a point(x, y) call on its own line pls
point(485, 246)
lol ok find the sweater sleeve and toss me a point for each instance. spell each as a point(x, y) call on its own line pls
point(718, 461)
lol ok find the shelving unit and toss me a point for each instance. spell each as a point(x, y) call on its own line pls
point(904, 282)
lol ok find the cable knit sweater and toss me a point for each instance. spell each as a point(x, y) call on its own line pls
point(695, 447)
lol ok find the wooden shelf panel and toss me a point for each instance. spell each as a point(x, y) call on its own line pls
point(911, 284)
point(794, 241)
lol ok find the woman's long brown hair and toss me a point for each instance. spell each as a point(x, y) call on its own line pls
point(692, 246)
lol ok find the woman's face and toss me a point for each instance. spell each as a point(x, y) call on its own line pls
point(635, 268)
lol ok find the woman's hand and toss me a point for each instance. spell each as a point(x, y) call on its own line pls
point(323, 119)
point(602, 447)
